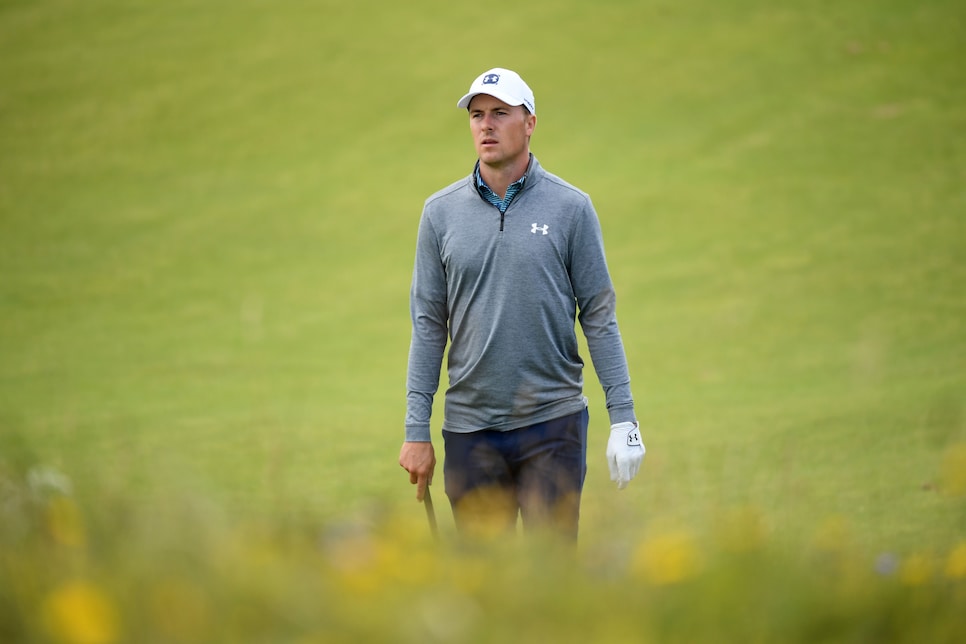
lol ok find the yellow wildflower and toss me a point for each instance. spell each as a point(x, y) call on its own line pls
point(667, 559)
point(916, 570)
point(80, 613)
point(954, 470)
point(956, 562)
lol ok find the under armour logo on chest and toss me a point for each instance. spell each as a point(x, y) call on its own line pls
point(540, 229)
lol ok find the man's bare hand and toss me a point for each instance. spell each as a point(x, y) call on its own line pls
point(419, 459)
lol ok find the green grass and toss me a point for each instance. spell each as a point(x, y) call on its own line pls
point(207, 219)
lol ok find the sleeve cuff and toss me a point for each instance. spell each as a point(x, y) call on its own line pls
point(418, 434)
point(622, 415)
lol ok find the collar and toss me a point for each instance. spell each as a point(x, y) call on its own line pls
point(516, 185)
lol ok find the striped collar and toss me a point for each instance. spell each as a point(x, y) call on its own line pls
point(491, 197)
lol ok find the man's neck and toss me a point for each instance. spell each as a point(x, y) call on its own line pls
point(499, 178)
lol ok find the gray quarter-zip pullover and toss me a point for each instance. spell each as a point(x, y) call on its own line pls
point(506, 289)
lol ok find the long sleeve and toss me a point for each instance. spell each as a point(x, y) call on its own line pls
point(597, 302)
point(427, 305)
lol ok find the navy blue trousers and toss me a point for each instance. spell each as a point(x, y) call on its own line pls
point(536, 472)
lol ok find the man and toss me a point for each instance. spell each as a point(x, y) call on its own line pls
point(505, 258)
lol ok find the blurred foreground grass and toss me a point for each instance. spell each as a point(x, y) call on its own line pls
point(180, 569)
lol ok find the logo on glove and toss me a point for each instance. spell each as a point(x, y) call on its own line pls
point(633, 438)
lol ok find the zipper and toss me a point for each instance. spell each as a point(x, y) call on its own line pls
point(503, 213)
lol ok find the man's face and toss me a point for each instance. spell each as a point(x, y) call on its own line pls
point(501, 133)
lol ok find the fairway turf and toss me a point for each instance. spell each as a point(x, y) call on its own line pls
point(208, 217)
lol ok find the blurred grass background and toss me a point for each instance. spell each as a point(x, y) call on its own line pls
point(207, 220)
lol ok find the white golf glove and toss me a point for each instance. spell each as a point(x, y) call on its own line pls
point(625, 451)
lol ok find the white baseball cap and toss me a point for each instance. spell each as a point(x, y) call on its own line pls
point(505, 85)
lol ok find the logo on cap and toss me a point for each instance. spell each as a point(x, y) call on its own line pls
point(491, 79)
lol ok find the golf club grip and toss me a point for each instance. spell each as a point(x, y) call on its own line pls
point(430, 513)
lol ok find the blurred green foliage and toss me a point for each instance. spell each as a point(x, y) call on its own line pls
point(178, 570)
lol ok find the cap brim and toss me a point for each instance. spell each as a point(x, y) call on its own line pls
point(465, 101)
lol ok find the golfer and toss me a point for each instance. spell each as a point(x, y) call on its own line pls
point(507, 260)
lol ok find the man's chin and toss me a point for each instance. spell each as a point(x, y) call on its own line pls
point(490, 156)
